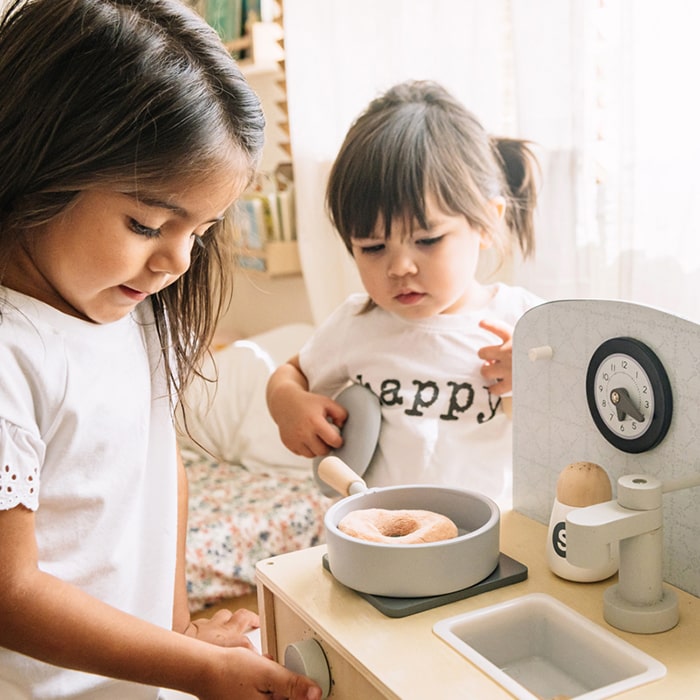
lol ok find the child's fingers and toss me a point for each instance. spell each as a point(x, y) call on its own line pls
point(496, 353)
point(241, 620)
point(284, 684)
point(497, 367)
point(501, 351)
point(321, 440)
point(491, 353)
point(492, 371)
point(499, 388)
point(330, 436)
point(503, 330)
point(329, 432)
point(225, 628)
point(336, 413)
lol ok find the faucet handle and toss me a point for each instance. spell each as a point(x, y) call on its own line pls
point(639, 492)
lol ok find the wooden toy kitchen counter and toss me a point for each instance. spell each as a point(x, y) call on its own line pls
point(372, 655)
point(607, 382)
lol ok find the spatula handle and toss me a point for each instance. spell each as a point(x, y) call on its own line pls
point(340, 476)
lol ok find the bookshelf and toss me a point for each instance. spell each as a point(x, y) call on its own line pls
point(275, 259)
point(269, 289)
point(252, 30)
point(278, 255)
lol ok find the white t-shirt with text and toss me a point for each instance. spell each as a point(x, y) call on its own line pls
point(440, 425)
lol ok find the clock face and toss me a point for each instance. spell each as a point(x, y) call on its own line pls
point(629, 395)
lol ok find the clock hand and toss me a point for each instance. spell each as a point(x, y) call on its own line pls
point(623, 403)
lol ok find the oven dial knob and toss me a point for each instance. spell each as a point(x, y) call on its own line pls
point(307, 658)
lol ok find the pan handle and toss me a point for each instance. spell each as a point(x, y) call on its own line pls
point(340, 476)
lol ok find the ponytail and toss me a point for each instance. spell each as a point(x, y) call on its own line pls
point(520, 167)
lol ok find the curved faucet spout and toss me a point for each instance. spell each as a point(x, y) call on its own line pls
point(591, 531)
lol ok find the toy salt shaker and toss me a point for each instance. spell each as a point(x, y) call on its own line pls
point(579, 485)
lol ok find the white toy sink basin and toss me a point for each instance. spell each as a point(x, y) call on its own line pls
point(537, 647)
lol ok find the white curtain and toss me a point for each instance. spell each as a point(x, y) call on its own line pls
point(601, 86)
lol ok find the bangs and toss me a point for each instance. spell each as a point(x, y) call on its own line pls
point(377, 184)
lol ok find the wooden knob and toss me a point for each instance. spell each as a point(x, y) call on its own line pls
point(583, 484)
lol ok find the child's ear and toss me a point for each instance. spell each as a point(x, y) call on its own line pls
point(499, 209)
point(499, 204)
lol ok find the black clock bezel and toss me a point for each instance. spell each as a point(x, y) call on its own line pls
point(660, 384)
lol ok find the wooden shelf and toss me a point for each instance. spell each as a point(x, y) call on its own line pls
point(276, 259)
point(244, 43)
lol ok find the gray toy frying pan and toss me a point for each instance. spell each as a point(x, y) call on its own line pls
point(360, 433)
point(410, 570)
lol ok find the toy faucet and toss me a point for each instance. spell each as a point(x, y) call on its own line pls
point(638, 602)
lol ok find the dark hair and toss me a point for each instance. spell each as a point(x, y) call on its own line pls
point(137, 95)
point(417, 139)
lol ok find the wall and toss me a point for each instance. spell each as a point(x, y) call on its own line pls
point(260, 303)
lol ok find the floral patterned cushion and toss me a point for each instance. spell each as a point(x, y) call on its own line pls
point(238, 517)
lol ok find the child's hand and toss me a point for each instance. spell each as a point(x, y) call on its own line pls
point(225, 628)
point(246, 675)
point(309, 423)
point(498, 359)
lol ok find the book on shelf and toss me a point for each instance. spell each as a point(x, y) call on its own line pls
point(271, 215)
point(265, 224)
point(251, 234)
point(226, 16)
point(252, 229)
point(285, 201)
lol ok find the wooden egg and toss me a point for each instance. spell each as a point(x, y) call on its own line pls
point(583, 484)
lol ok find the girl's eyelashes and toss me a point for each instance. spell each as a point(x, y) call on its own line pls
point(372, 249)
point(379, 247)
point(148, 232)
point(142, 230)
point(429, 241)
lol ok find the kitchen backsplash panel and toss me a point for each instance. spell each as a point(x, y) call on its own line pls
point(553, 427)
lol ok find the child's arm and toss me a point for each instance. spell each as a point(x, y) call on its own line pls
point(306, 420)
point(498, 359)
point(48, 619)
point(224, 628)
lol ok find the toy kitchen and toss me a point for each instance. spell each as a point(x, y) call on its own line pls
point(599, 382)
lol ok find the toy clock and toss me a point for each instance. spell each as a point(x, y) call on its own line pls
point(629, 394)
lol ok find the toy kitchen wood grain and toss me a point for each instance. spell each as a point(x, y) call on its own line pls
point(364, 653)
point(370, 655)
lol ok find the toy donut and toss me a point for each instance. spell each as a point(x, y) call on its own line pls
point(397, 526)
